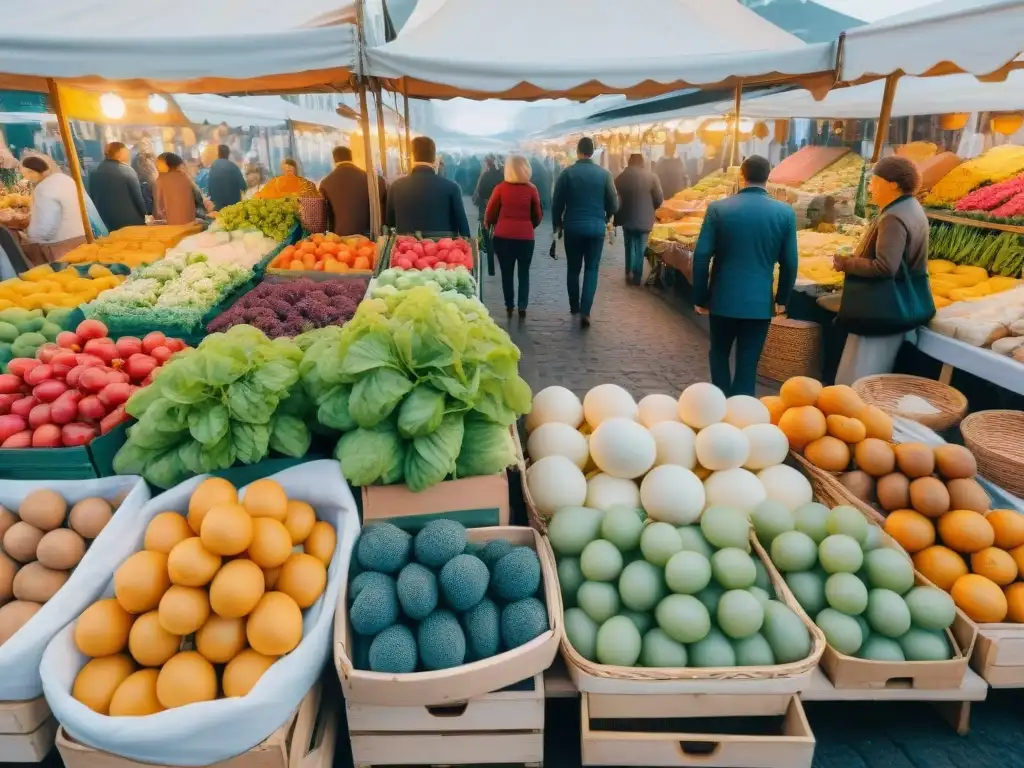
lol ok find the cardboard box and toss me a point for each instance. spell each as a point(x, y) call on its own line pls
point(791, 747)
point(27, 731)
point(465, 682)
point(999, 655)
point(306, 740)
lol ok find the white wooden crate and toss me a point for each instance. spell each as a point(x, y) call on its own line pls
point(504, 727)
point(793, 747)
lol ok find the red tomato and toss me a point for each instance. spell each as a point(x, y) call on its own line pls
point(24, 406)
point(115, 394)
point(39, 416)
point(69, 340)
point(77, 434)
point(112, 419)
point(19, 366)
point(47, 436)
point(139, 367)
point(38, 375)
point(6, 401)
point(11, 425)
point(93, 379)
point(20, 440)
point(49, 391)
point(155, 339)
point(64, 409)
point(9, 384)
point(128, 346)
point(91, 407)
point(47, 352)
point(91, 329)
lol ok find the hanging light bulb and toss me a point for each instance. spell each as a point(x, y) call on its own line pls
point(112, 106)
point(157, 104)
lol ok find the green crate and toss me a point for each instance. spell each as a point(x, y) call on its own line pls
point(243, 474)
point(82, 463)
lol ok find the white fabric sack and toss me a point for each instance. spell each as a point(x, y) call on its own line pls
point(211, 731)
point(21, 655)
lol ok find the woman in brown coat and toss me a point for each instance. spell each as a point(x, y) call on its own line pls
point(176, 198)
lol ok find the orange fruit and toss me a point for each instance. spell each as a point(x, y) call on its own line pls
point(776, 407)
point(966, 531)
point(1008, 527)
point(297, 265)
point(1017, 553)
point(940, 565)
point(361, 263)
point(994, 564)
point(307, 247)
point(980, 598)
point(208, 494)
point(318, 238)
point(912, 530)
point(799, 391)
point(266, 498)
point(1015, 602)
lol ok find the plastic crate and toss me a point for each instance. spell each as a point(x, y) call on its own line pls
point(83, 463)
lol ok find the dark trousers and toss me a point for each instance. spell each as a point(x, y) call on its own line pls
point(748, 336)
point(486, 244)
point(509, 254)
point(635, 241)
point(582, 254)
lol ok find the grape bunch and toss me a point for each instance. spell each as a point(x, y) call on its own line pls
point(275, 218)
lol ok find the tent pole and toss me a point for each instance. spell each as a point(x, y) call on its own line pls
point(69, 148)
point(382, 141)
point(882, 130)
point(408, 141)
point(736, 124)
point(364, 122)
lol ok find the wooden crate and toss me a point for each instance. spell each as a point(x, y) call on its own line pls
point(505, 727)
point(792, 747)
point(306, 740)
point(27, 731)
point(999, 655)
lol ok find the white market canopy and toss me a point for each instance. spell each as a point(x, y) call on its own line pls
point(529, 49)
point(175, 45)
point(977, 37)
point(913, 96)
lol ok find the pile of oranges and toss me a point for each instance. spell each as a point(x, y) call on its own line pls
point(328, 253)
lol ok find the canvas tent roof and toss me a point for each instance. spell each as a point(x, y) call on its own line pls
point(642, 48)
point(977, 37)
point(180, 46)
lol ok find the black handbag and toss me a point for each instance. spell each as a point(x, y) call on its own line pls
point(886, 306)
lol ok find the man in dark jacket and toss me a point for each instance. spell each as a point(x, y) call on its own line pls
point(746, 234)
point(423, 201)
point(671, 172)
point(225, 181)
point(114, 188)
point(639, 196)
point(542, 181)
point(490, 178)
point(347, 196)
point(584, 201)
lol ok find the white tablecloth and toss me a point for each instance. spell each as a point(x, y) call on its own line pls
point(984, 363)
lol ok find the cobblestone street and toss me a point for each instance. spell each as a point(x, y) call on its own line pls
point(636, 339)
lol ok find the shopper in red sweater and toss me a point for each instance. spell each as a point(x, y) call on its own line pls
point(514, 211)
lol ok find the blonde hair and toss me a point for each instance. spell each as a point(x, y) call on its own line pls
point(518, 170)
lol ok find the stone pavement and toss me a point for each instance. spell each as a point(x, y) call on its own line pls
point(636, 338)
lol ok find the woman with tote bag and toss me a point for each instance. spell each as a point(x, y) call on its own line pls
point(886, 292)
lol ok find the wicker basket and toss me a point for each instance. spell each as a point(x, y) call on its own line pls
point(313, 214)
point(994, 437)
point(793, 349)
point(885, 390)
point(830, 492)
point(651, 674)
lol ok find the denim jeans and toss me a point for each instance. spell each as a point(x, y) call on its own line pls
point(582, 253)
point(509, 254)
point(635, 241)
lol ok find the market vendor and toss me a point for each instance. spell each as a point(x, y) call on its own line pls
point(289, 184)
point(177, 199)
point(885, 293)
point(55, 227)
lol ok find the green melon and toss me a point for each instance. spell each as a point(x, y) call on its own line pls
point(874, 538)
point(601, 561)
point(683, 618)
point(846, 593)
point(761, 579)
point(622, 526)
point(694, 541)
point(762, 596)
point(618, 642)
point(812, 519)
point(660, 650)
point(789, 638)
point(687, 572)
point(926, 645)
point(733, 568)
point(770, 518)
point(887, 613)
point(570, 577)
point(713, 650)
point(753, 651)
point(840, 553)
point(642, 619)
point(740, 614)
point(581, 632)
point(572, 528)
point(599, 599)
point(659, 542)
point(879, 648)
point(710, 596)
point(849, 521)
point(794, 551)
point(888, 568)
point(841, 631)
point(808, 587)
point(641, 585)
point(930, 608)
point(726, 527)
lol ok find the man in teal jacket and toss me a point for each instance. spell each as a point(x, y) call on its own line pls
point(584, 202)
point(743, 237)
